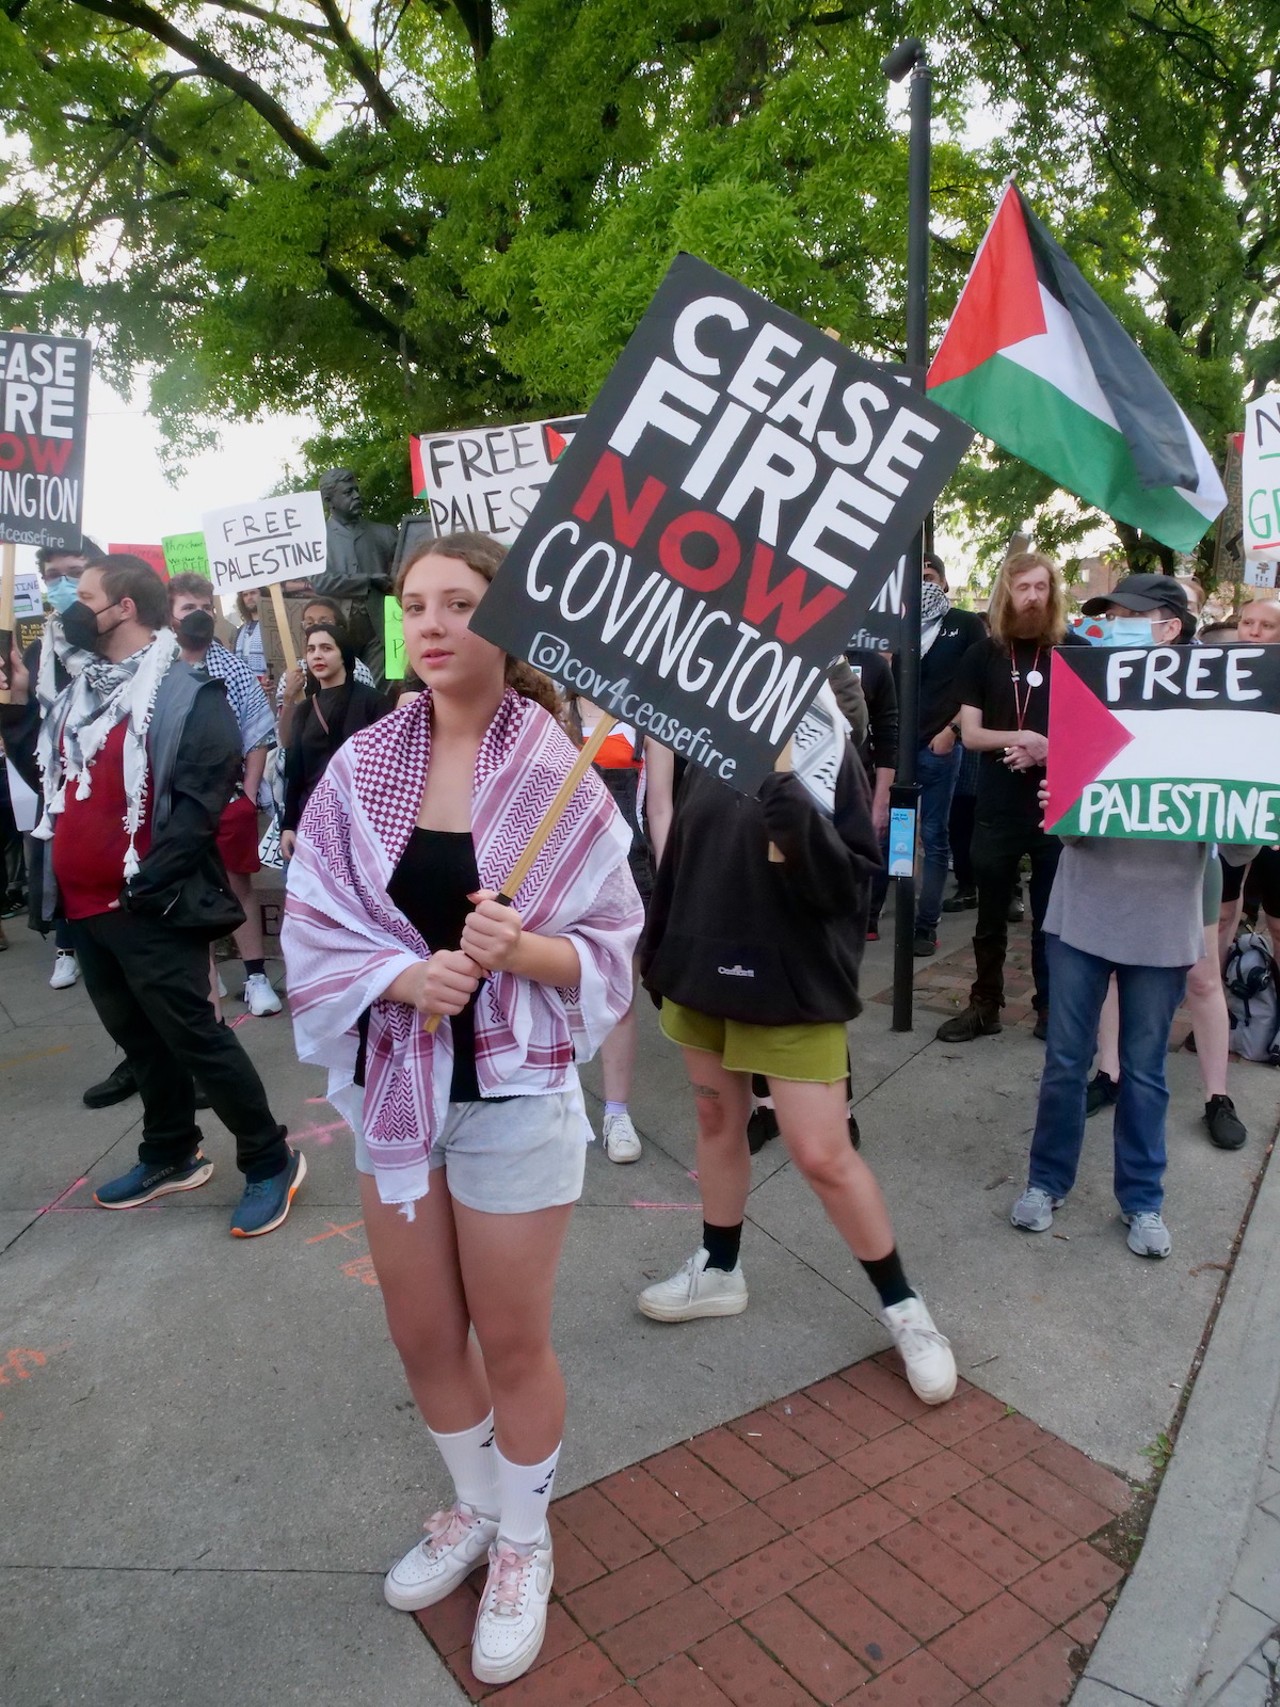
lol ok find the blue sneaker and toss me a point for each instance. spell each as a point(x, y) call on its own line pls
point(266, 1202)
point(152, 1179)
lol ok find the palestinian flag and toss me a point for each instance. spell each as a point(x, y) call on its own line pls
point(1034, 359)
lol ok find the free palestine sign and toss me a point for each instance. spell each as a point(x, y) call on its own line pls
point(724, 519)
point(1173, 743)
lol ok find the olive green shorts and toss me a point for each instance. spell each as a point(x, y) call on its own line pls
point(813, 1054)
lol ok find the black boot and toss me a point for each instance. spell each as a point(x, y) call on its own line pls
point(973, 1022)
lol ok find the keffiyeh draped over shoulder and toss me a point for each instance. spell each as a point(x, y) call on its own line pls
point(345, 940)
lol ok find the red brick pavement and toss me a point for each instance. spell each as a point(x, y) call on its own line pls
point(845, 1545)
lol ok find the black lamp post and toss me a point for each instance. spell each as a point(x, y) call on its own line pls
point(909, 58)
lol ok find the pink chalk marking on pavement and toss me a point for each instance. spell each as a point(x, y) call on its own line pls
point(74, 1186)
point(321, 1134)
point(637, 1203)
point(314, 1102)
point(239, 1020)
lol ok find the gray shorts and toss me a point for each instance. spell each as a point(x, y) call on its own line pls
point(506, 1158)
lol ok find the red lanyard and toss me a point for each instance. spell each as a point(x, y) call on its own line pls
point(1034, 678)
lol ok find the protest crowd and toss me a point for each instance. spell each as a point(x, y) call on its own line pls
point(669, 741)
point(168, 763)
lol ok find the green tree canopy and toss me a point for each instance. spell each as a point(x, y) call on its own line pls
point(419, 214)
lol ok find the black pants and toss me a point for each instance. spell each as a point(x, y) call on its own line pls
point(960, 829)
point(150, 986)
point(1000, 839)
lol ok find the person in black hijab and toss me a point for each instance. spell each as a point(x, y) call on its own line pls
point(334, 706)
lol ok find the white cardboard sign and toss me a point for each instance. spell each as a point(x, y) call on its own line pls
point(1260, 478)
point(269, 539)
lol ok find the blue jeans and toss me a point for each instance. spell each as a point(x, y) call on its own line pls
point(1149, 997)
point(937, 785)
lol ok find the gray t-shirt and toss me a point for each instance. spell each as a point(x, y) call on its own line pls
point(1134, 903)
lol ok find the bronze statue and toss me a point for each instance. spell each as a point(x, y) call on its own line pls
point(357, 566)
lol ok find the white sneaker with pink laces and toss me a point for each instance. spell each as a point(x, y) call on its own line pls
point(456, 1541)
point(513, 1611)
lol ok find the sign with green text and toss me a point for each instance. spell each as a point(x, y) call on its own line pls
point(397, 667)
point(1173, 743)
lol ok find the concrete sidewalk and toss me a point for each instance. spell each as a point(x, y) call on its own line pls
point(208, 1453)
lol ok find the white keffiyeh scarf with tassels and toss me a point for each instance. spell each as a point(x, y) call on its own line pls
point(75, 723)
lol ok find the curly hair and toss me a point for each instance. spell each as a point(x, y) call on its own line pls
point(484, 554)
point(1000, 609)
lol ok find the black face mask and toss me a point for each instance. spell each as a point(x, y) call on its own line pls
point(196, 629)
point(80, 625)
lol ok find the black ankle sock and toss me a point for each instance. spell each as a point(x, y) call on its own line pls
point(722, 1245)
point(253, 966)
point(887, 1276)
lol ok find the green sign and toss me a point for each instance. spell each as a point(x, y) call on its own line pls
point(185, 554)
point(397, 667)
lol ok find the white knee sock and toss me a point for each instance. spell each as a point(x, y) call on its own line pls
point(469, 1458)
point(524, 1493)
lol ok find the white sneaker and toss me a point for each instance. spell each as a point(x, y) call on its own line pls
point(221, 987)
point(259, 997)
point(1148, 1235)
point(621, 1140)
point(695, 1290)
point(512, 1619)
point(927, 1354)
point(456, 1541)
point(66, 970)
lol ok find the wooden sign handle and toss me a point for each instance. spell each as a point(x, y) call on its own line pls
point(784, 762)
point(282, 625)
point(8, 577)
point(550, 818)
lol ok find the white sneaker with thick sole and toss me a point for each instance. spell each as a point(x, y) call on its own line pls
point(621, 1140)
point(259, 997)
point(695, 1290)
point(457, 1540)
point(512, 1619)
point(66, 970)
point(927, 1354)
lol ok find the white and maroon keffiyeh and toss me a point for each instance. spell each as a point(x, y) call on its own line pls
point(344, 940)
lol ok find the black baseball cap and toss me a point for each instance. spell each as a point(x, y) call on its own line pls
point(1142, 593)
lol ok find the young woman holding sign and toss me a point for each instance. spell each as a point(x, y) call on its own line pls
point(755, 960)
point(470, 1138)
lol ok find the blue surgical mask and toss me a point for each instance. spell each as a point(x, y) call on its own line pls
point(60, 592)
point(1130, 631)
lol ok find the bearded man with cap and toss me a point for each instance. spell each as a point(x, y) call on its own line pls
point(1132, 908)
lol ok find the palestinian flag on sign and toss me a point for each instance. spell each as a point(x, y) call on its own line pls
point(1034, 359)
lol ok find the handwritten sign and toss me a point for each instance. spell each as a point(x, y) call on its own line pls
point(1261, 477)
point(488, 480)
point(397, 667)
point(28, 594)
point(185, 554)
point(274, 539)
point(1174, 743)
point(44, 416)
point(724, 520)
point(152, 554)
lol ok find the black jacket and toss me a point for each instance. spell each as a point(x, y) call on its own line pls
point(355, 705)
point(732, 934)
point(181, 880)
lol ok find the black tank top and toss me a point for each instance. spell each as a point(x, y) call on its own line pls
point(430, 885)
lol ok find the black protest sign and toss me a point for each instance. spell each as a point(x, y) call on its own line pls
point(1173, 743)
point(44, 414)
point(724, 519)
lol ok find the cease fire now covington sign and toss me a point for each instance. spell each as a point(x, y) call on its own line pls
point(721, 524)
